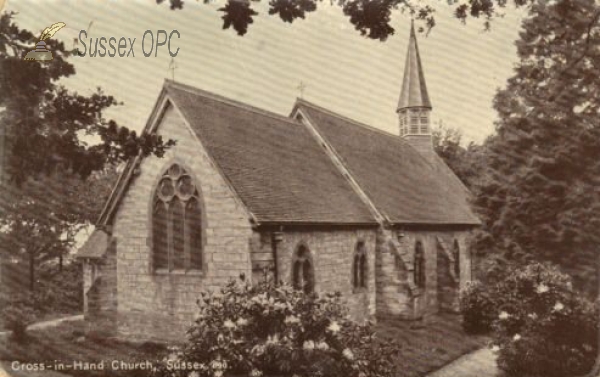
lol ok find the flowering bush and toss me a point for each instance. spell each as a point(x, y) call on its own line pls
point(478, 310)
point(542, 327)
point(268, 330)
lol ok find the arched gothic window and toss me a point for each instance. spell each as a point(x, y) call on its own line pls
point(419, 265)
point(456, 255)
point(303, 270)
point(177, 222)
point(359, 266)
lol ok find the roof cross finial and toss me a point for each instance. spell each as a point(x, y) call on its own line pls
point(301, 87)
point(172, 68)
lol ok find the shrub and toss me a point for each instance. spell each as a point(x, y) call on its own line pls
point(60, 292)
point(276, 330)
point(544, 328)
point(478, 308)
point(16, 313)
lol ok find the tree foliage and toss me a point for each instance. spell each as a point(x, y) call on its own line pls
point(53, 176)
point(371, 18)
point(466, 163)
point(45, 215)
point(540, 197)
point(44, 123)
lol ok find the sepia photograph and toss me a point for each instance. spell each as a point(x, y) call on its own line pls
point(300, 188)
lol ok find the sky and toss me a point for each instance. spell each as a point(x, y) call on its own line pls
point(340, 70)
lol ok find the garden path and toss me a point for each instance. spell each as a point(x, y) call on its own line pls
point(51, 323)
point(480, 363)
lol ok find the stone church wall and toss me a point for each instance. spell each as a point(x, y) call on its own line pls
point(398, 295)
point(100, 289)
point(332, 253)
point(155, 305)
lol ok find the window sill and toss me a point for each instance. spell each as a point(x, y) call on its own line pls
point(179, 272)
point(356, 290)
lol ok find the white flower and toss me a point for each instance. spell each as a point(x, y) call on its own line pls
point(322, 346)
point(218, 373)
point(309, 345)
point(495, 348)
point(256, 373)
point(290, 319)
point(258, 349)
point(532, 316)
point(273, 339)
point(172, 357)
point(558, 307)
point(242, 322)
point(542, 288)
point(516, 337)
point(334, 327)
point(504, 315)
point(348, 354)
point(229, 324)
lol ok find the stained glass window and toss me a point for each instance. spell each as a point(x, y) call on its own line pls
point(302, 271)
point(419, 265)
point(177, 222)
point(456, 254)
point(359, 268)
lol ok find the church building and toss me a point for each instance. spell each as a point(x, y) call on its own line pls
point(314, 199)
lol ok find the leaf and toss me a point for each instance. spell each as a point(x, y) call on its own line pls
point(50, 31)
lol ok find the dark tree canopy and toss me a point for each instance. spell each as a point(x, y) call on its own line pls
point(52, 181)
point(44, 121)
point(540, 196)
point(43, 217)
point(370, 17)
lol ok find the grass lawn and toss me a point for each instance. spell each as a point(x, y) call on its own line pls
point(65, 344)
point(430, 343)
point(426, 346)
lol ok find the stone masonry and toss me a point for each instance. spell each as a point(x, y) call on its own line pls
point(152, 305)
point(160, 306)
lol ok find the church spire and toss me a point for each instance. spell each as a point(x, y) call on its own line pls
point(414, 90)
point(414, 106)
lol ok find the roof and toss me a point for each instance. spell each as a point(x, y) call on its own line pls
point(272, 162)
point(283, 175)
point(402, 185)
point(95, 246)
point(414, 90)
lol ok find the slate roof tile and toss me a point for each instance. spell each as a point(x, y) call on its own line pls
point(273, 163)
point(401, 183)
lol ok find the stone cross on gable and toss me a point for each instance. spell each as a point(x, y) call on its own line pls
point(301, 87)
point(172, 68)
